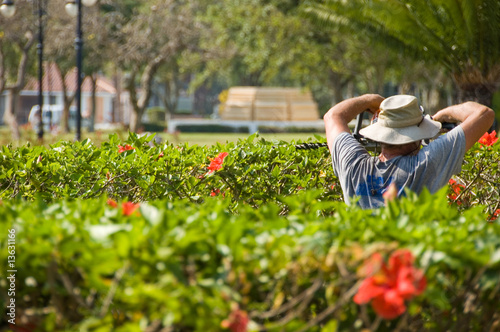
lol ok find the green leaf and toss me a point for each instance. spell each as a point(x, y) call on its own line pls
point(330, 326)
point(495, 258)
point(102, 232)
point(152, 214)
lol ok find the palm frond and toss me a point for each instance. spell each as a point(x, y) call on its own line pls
point(459, 34)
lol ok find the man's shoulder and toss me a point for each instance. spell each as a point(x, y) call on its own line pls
point(347, 152)
point(347, 143)
point(343, 139)
point(454, 137)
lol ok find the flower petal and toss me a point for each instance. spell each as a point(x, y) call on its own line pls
point(368, 290)
point(388, 309)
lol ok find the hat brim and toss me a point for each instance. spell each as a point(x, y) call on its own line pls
point(398, 136)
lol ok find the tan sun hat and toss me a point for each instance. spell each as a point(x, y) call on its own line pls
point(401, 121)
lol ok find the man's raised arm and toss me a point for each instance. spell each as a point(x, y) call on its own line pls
point(339, 116)
point(475, 119)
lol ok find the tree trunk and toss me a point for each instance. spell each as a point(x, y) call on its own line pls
point(370, 80)
point(351, 89)
point(380, 78)
point(434, 94)
point(135, 119)
point(118, 115)
point(2, 68)
point(171, 94)
point(68, 100)
point(9, 116)
point(171, 98)
point(11, 111)
point(478, 92)
point(139, 103)
point(93, 106)
point(336, 84)
point(473, 86)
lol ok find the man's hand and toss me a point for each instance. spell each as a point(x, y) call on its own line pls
point(339, 116)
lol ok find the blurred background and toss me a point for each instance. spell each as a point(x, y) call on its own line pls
point(122, 65)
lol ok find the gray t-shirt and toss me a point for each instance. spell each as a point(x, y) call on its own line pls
point(367, 177)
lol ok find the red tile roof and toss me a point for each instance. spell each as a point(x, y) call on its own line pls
point(52, 81)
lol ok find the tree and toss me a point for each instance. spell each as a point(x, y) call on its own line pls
point(97, 51)
point(460, 35)
point(157, 32)
point(252, 42)
point(17, 37)
point(60, 49)
point(173, 79)
point(266, 43)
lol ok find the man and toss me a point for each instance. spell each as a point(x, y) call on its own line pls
point(399, 128)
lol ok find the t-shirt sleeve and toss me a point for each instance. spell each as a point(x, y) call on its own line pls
point(445, 156)
point(345, 154)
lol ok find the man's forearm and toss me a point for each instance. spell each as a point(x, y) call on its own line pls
point(348, 109)
point(475, 119)
point(460, 112)
point(339, 116)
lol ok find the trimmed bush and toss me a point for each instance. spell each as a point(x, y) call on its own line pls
point(255, 171)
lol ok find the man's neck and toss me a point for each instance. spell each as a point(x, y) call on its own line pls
point(386, 156)
point(404, 150)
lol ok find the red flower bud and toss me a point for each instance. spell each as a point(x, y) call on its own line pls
point(125, 148)
point(216, 163)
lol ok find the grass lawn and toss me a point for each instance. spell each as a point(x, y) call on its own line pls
point(191, 138)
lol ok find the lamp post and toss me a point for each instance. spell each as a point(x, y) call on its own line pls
point(74, 9)
point(39, 50)
point(8, 10)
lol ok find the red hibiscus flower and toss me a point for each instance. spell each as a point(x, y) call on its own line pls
point(111, 203)
point(125, 148)
point(393, 284)
point(456, 190)
point(237, 320)
point(488, 139)
point(216, 192)
point(216, 163)
point(495, 215)
point(128, 208)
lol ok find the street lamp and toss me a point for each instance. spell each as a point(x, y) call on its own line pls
point(74, 9)
point(8, 10)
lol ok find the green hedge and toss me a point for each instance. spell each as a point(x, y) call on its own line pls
point(157, 127)
point(255, 171)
